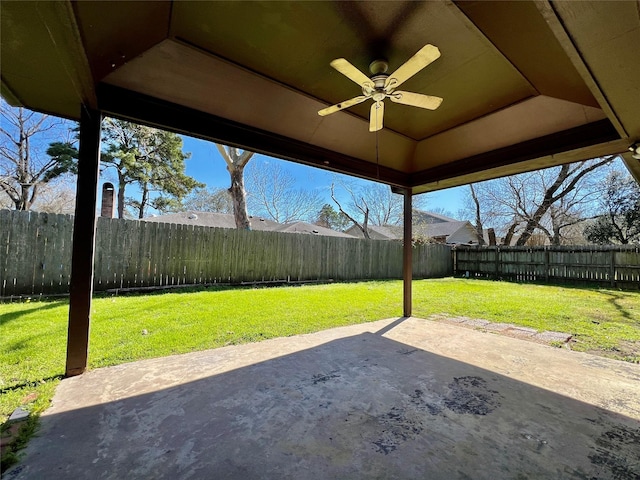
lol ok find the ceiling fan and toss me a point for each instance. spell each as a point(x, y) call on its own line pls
point(382, 85)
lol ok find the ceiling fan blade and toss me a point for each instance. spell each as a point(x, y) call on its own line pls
point(421, 59)
point(342, 105)
point(416, 100)
point(351, 72)
point(376, 116)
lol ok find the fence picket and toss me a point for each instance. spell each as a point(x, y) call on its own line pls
point(610, 266)
point(35, 255)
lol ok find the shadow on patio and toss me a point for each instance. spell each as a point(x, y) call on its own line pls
point(347, 403)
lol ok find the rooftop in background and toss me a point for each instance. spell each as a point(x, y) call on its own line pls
point(225, 220)
point(526, 84)
point(434, 226)
point(420, 216)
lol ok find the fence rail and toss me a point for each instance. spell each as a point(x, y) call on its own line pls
point(610, 266)
point(35, 255)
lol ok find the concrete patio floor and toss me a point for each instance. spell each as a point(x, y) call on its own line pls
point(393, 399)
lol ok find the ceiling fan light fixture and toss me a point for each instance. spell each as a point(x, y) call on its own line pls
point(635, 150)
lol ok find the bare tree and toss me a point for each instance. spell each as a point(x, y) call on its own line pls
point(236, 161)
point(216, 200)
point(28, 160)
point(565, 183)
point(385, 207)
point(370, 203)
point(546, 201)
point(57, 196)
point(360, 204)
point(273, 194)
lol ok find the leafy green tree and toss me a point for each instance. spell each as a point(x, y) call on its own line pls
point(328, 217)
point(149, 158)
point(24, 167)
point(619, 221)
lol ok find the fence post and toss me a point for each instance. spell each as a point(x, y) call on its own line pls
point(612, 267)
point(546, 264)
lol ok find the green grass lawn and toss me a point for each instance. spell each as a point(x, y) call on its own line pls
point(33, 334)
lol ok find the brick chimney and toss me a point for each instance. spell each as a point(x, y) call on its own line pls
point(108, 200)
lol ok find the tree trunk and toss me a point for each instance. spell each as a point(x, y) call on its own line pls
point(365, 224)
point(556, 237)
point(491, 233)
point(236, 162)
point(238, 197)
point(478, 226)
point(143, 201)
point(534, 221)
point(509, 236)
point(32, 196)
point(23, 201)
point(121, 187)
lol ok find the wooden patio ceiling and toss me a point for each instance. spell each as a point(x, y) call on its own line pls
point(526, 84)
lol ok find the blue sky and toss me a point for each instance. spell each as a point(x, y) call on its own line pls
point(207, 166)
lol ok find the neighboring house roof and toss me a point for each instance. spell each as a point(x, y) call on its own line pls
point(210, 219)
point(226, 220)
point(453, 231)
point(420, 216)
point(304, 227)
point(442, 229)
point(378, 232)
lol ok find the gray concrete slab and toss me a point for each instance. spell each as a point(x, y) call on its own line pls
point(396, 399)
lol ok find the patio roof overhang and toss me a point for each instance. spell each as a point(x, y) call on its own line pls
point(526, 84)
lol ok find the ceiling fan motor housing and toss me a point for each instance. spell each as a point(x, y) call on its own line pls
point(378, 66)
point(379, 81)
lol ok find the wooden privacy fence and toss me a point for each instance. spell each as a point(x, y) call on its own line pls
point(609, 266)
point(35, 256)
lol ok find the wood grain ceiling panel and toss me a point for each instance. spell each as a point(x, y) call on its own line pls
point(598, 30)
point(114, 34)
point(294, 42)
point(520, 33)
point(42, 61)
point(530, 119)
point(185, 76)
point(265, 66)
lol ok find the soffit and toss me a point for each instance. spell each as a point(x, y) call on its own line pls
point(525, 84)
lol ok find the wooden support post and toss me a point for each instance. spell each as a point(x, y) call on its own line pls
point(84, 228)
point(407, 253)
